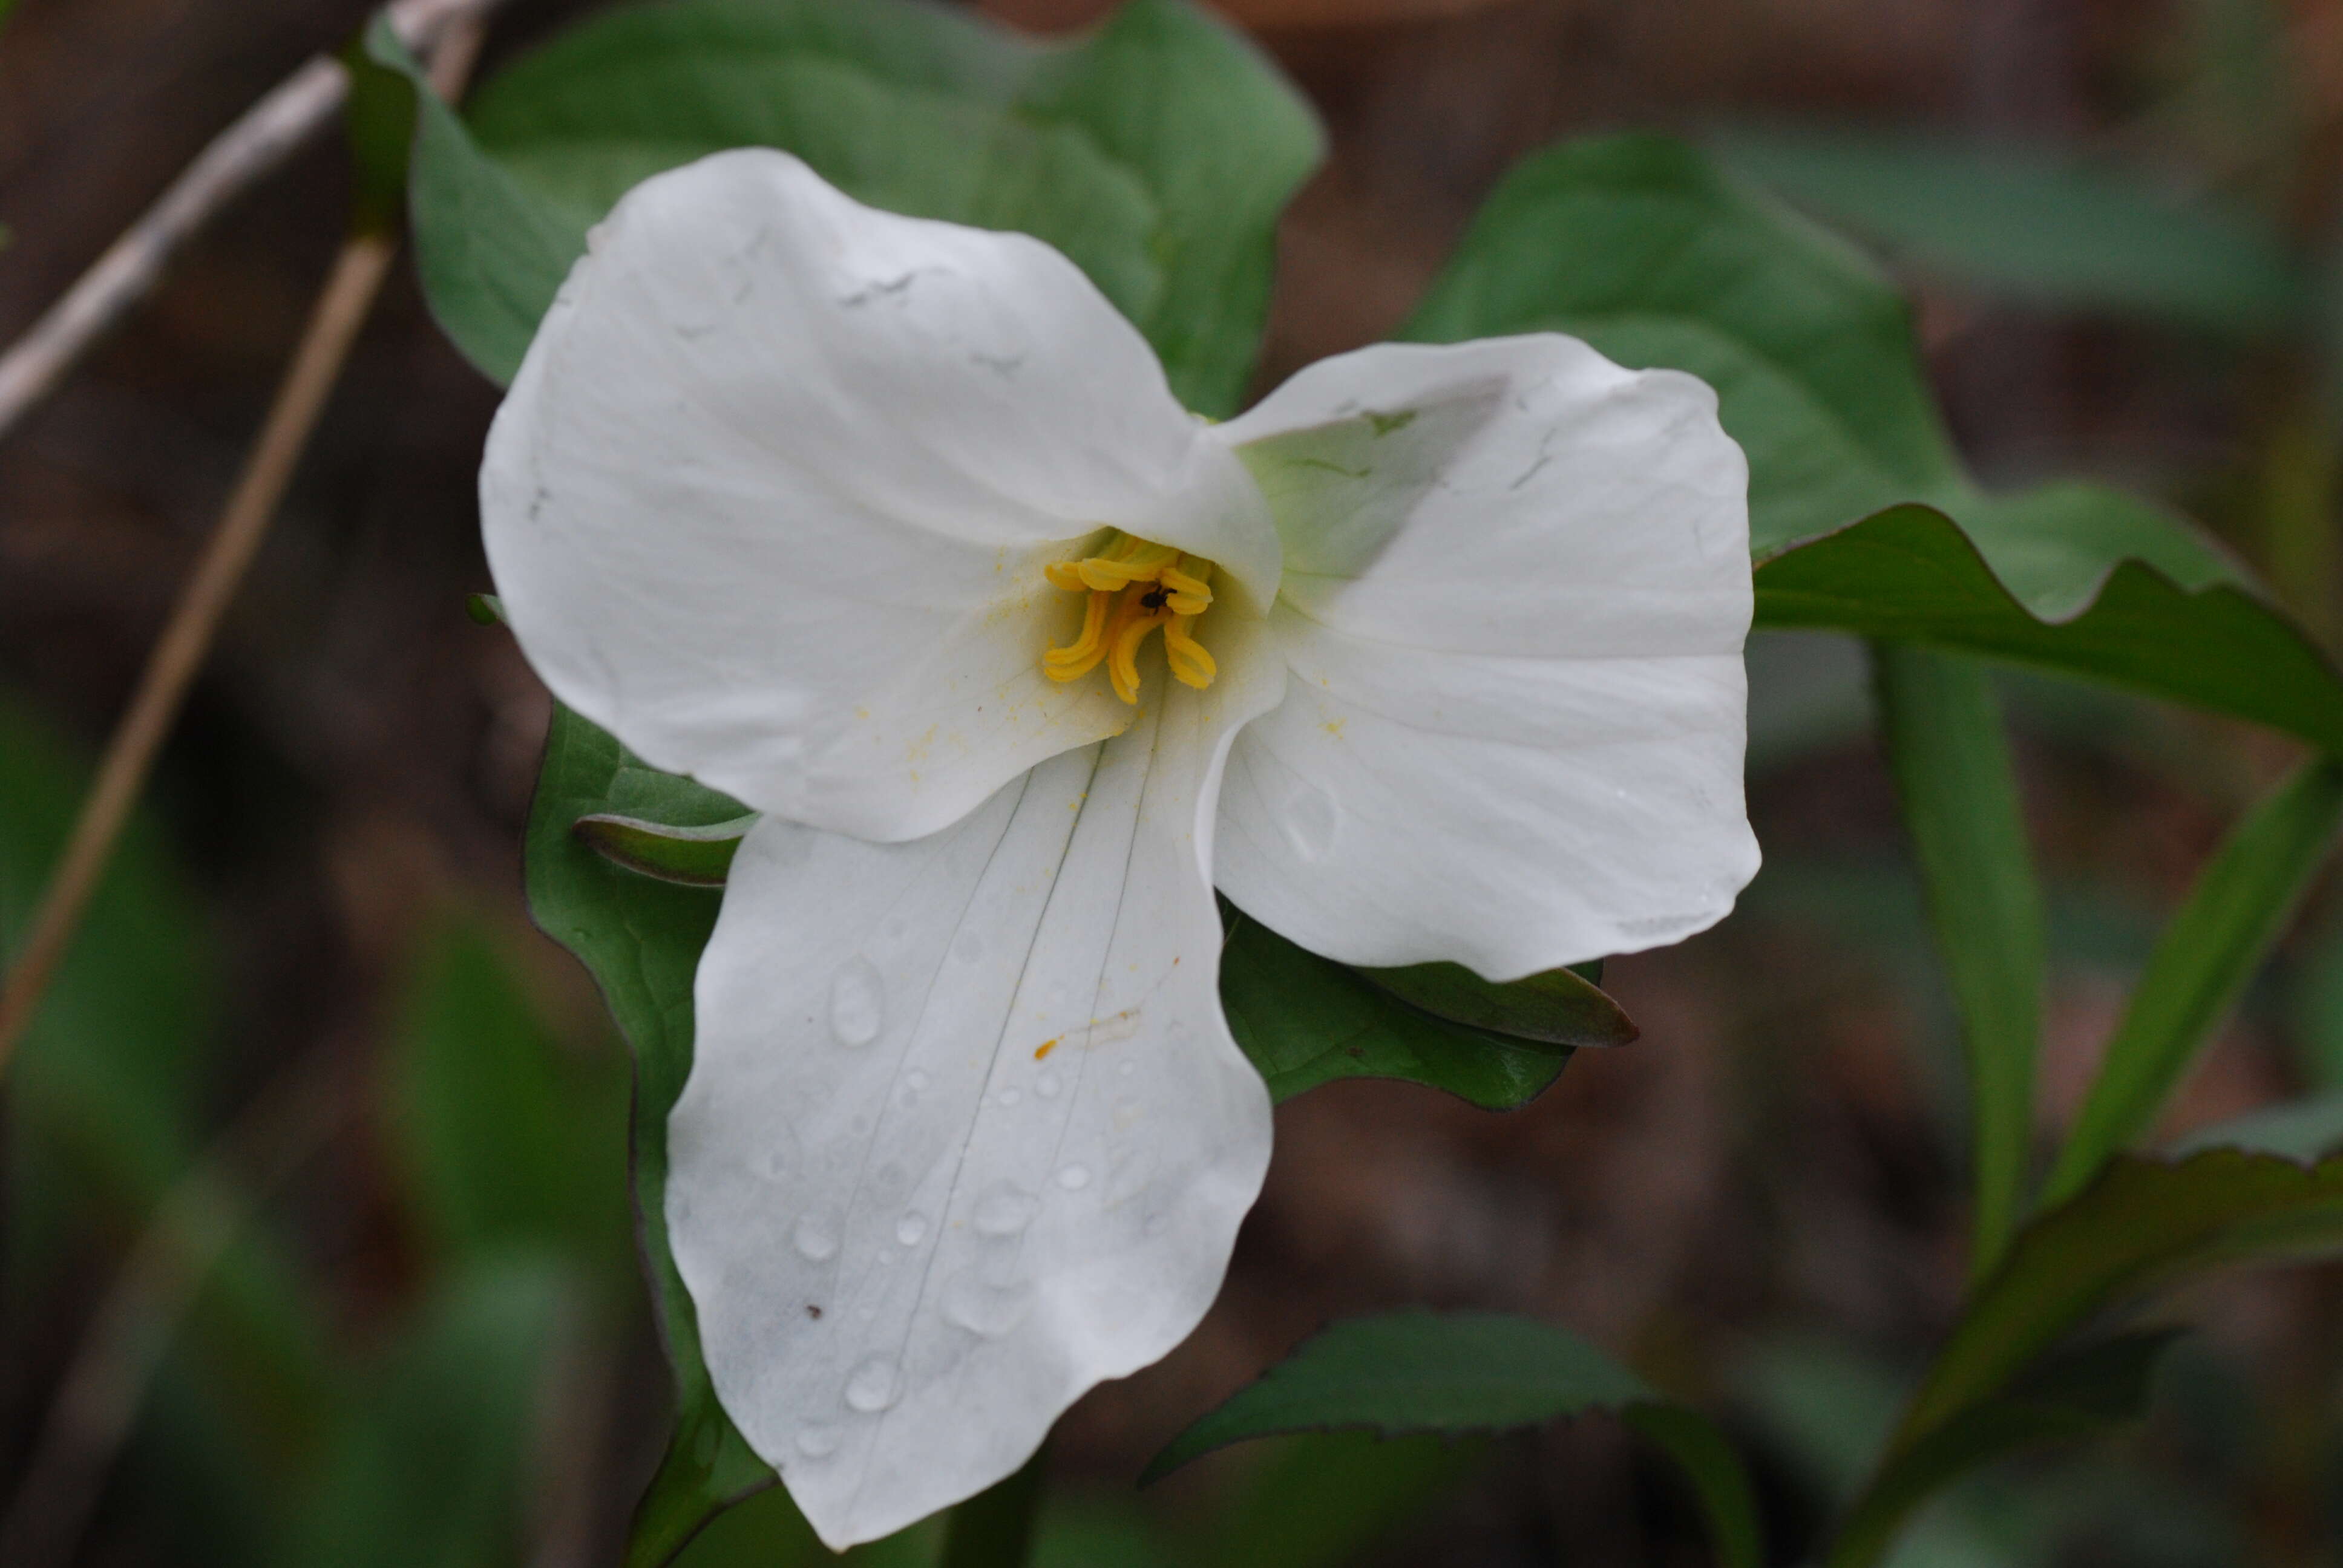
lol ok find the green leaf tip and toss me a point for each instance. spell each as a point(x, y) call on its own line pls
point(1304, 1021)
point(1419, 1370)
point(696, 857)
point(1560, 1007)
point(1911, 574)
point(1416, 1370)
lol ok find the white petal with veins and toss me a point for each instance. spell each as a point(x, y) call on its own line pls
point(1516, 587)
point(771, 495)
point(965, 1132)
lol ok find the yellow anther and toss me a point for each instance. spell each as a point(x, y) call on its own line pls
point(1082, 656)
point(1190, 665)
point(1134, 586)
point(1122, 657)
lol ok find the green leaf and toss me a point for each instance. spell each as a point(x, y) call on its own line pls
point(1305, 1020)
point(1157, 153)
point(428, 1467)
point(1641, 246)
point(1418, 1370)
point(2142, 1223)
point(1950, 756)
point(696, 857)
point(641, 938)
point(2082, 1393)
point(1325, 1499)
point(2308, 1130)
point(1909, 574)
point(510, 1140)
point(2240, 904)
point(1560, 1007)
point(2038, 223)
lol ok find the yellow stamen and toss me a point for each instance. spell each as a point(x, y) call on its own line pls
point(1190, 665)
point(1082, 656)
point(1134, 587)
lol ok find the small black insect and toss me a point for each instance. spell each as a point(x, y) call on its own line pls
point(812, 1311)
point(1154, 597)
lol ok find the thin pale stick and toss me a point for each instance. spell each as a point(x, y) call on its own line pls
point(261, 139)
point(341, 309)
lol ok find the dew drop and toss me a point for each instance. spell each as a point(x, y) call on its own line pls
point(815, 1238)
point(817, 1441)
point(1126, 1067)
point(982, 1309)
point(858, 1003)
point(1012, 1096)
point(1004, 1210)
point(1046, 1086)
point(910, 1228)
point(874, 1385)
point(1074, 1178)
point(1310, 822)
point(916, 1079)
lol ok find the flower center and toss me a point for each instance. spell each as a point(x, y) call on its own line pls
point(1134, 587)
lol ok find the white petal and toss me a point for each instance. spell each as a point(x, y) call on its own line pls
point(772, 493)
point(1516, 587)
point(965, 1132)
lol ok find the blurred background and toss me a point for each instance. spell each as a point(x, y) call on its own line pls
point(316, 1246)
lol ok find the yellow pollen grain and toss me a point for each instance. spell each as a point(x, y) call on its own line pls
point(1133, 588)
point(1041, 1050)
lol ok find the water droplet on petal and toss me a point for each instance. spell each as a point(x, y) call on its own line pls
point(1310, 822)
point(1126, 1067)
point(916, 1079)
point(874, 1385)
point(1046, 1086)
point(970, 1303)
point(815, 1238)
point(858, 1003)
point(910, 1228)
point(1074, 1178)
point(817, 1441)
point(1004, 1210)
point(1012, 1096)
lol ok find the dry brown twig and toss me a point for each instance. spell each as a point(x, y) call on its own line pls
point(453, 29)
point(263, 138)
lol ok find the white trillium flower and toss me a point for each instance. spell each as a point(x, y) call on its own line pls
point(893, 529)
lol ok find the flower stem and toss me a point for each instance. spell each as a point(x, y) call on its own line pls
point(994, 1529)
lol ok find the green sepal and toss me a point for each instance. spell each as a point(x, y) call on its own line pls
point(696, 857)
point(1560, 1007)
